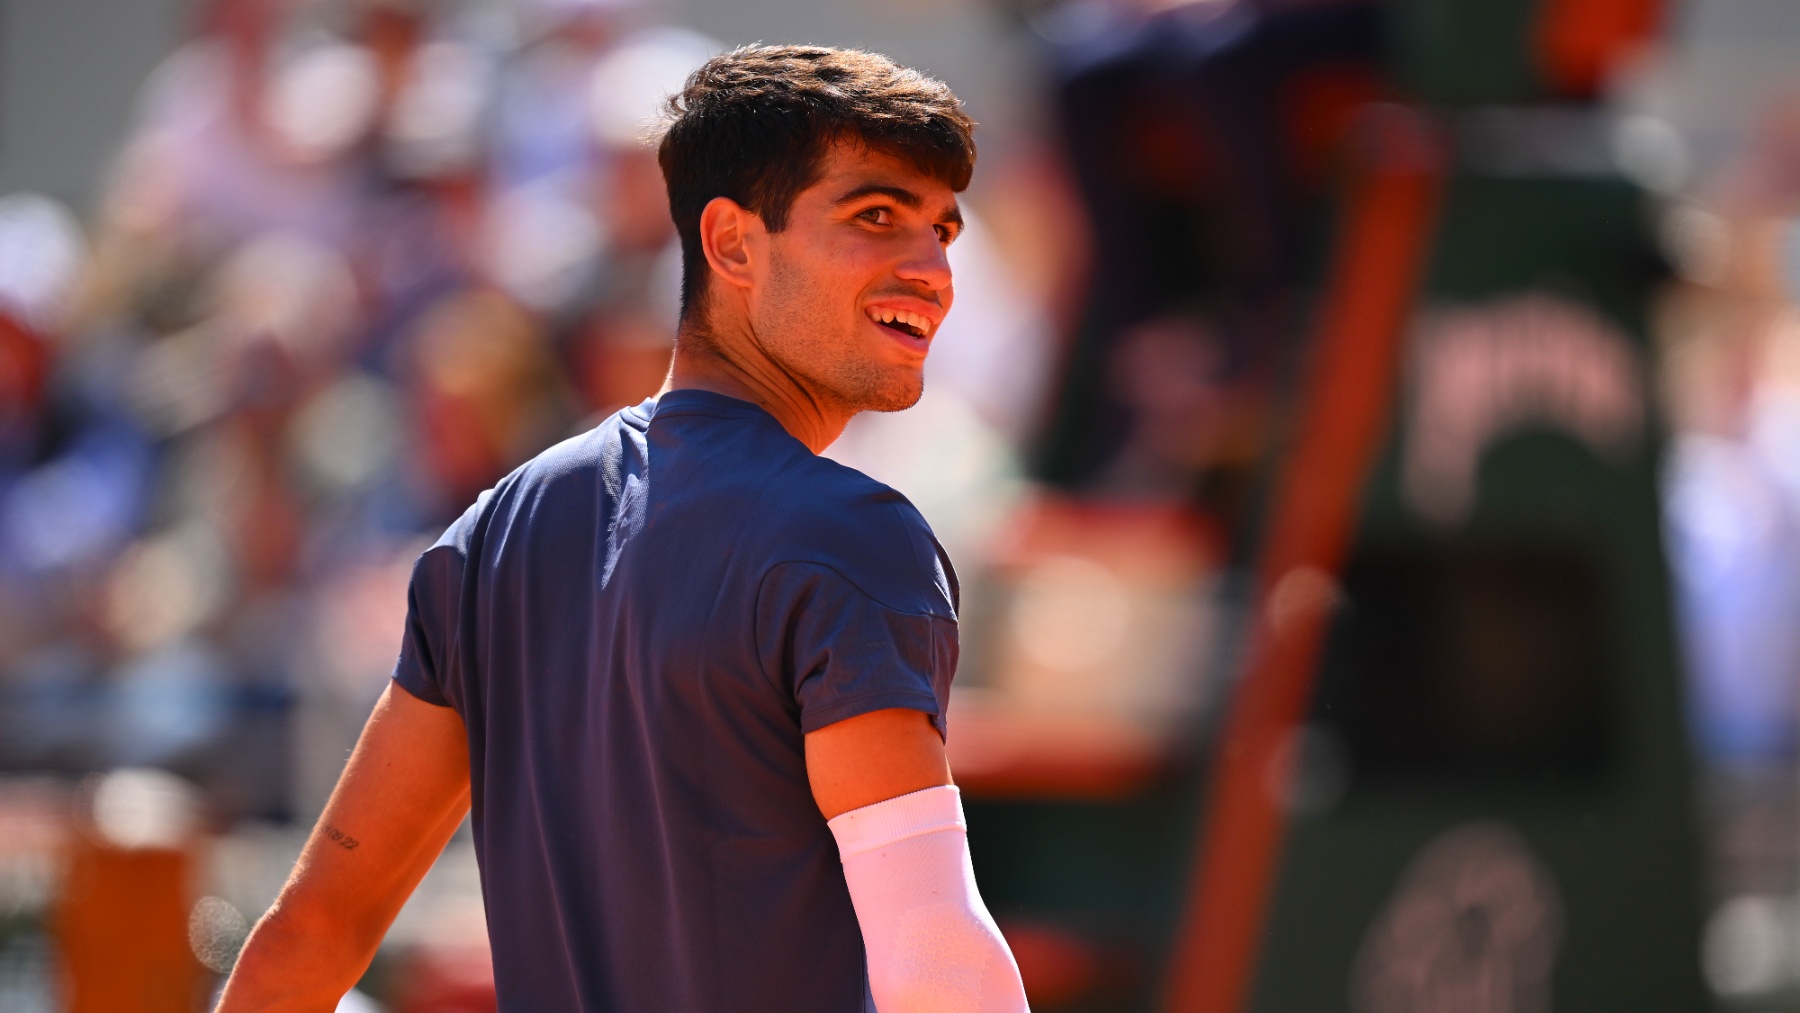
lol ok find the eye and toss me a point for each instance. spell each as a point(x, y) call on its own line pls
point(947, 234)
point(877, 216)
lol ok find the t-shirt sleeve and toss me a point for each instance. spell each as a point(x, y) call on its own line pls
point(425, 645)
point(840, 652)
point(427, 667)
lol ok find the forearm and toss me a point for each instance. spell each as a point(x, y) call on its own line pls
point(318, 938)
point(404, 792)
point(296, 964)
point(932, 946)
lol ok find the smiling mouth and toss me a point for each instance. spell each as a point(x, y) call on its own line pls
point(912, 325)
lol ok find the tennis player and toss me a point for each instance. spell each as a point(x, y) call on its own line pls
point(690, 676)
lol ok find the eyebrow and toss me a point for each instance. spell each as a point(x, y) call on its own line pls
point(899, 195)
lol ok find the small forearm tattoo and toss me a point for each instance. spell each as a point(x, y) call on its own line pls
point(340, 838)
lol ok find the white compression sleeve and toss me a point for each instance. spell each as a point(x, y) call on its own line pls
point(933, 947)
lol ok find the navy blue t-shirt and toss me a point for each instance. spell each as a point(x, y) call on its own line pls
point(637, 627)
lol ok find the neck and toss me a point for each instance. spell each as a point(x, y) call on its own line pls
point(735, 365)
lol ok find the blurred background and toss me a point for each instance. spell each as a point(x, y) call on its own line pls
point(1368, 433)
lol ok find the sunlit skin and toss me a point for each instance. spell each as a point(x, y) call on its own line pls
point(789, 318)
point(789, 323)
point(403, 793)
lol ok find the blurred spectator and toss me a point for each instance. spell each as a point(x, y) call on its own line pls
point(486, 395)
point(236, 136)
point(1732, 340)
point(542, 126)
point(623, 335)
point(1199, 136)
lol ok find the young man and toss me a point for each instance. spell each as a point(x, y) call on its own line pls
point(661, 656)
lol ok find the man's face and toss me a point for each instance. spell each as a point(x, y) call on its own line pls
point(858, 282)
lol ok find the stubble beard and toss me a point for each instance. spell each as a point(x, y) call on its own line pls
point(833, 371)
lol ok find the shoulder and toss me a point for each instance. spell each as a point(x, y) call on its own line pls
point(570, 470)
point(605, 444)
point(604, 451)
point(826, 514)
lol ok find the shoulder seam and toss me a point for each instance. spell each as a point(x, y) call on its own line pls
point(848, 580)
point(912, 547)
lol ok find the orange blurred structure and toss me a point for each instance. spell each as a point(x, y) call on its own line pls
point(1381, 252)
point(122, 931)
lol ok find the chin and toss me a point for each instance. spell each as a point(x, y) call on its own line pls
point(869, 387)
point(894, 397)
point(897, 404)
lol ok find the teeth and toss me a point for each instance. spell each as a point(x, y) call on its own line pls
point(916, 321)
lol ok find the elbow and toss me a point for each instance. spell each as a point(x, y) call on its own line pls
point(292, 961)
point(289, 934)
point(938, 974)
point(911, 992)
point(302, 923)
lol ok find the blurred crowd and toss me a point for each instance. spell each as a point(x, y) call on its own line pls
point(353, 265)
point(1729, 328)
point(356, 261)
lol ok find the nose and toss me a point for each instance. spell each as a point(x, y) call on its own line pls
point(927, 264)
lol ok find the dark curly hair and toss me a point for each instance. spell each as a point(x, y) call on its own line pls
point(754, 125)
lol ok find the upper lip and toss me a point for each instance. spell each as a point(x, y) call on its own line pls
point(917, 309)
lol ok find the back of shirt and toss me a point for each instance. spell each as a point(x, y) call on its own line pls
point(638, 627)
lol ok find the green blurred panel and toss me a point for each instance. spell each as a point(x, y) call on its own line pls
point(1464, 51)
point(1495, 806)
point(1105, 874)
point(1587, 238)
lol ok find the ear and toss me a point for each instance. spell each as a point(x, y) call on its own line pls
point(734, 240)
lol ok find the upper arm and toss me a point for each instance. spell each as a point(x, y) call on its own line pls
point(873, 757)
point(403, 793)
point(861, 630)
